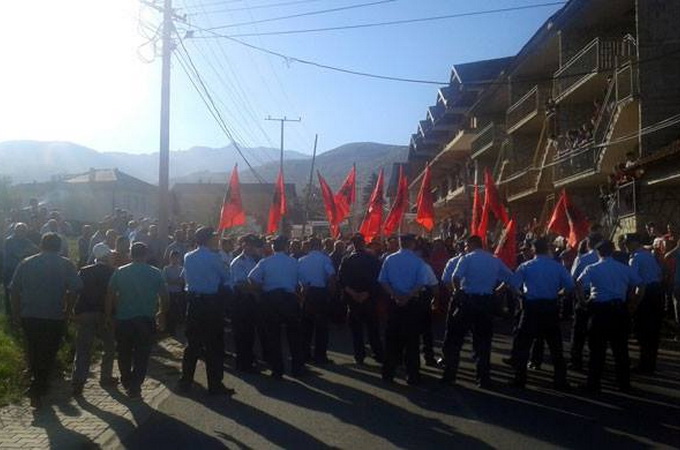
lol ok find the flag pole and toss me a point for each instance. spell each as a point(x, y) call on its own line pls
point(309, 187)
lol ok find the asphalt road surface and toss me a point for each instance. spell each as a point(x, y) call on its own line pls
point(346, 406)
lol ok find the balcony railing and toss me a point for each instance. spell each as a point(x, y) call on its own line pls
point(486, 138)
point(523, 181)
point(595, 57)
point(524, 109)
point(576, 162)
point(625, 88)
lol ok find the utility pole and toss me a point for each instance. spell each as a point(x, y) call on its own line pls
point(309, 187)
point(283, 121)
point(164, 163)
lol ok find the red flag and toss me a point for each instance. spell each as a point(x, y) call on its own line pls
point(476, 211)
point(232, 213)
point(278, 208)
point(506, 250)
point(492, 204)
point(567, 220)
point(399, 207)
point(372, 223)
point(329, 205)
point(346, 195)
point(425, 202)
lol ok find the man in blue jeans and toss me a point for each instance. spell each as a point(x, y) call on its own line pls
point(137, 294)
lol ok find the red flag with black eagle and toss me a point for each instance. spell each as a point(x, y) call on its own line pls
point(399, 207)
point(278, 208)
point(232, 213)
point(346, 195)
point(569, 221)
point(506, 250)
point(425, 202)
point(492, 204)
point(329, 205)
point(372, 223)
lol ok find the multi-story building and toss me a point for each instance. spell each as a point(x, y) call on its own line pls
point(590, 104)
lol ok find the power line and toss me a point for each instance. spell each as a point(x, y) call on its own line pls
point(389, 23)
point(305, 14)
point(204, 93)
point(245, 8)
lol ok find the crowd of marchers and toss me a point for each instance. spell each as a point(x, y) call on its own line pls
point(124, 287)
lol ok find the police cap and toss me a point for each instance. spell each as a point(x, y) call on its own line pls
point(204, 234)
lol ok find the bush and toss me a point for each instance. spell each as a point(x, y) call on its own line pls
point(12, 365)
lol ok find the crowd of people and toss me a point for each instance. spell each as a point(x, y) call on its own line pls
point(125, 286)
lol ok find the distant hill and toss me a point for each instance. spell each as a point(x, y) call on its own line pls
point(27, 161)
point(333, 165)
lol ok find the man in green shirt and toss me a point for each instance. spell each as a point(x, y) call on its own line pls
point(43, 289)
point(137, 294)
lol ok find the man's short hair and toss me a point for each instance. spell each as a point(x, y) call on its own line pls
point(474, 240)
point(138, 250)
point(50, 242)
point(406, 239)
point(605, 248)
point(541, 246)
point(280, 243)
point(315, 243)
point(594, 239)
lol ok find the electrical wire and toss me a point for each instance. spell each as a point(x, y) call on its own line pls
point(205, 95)
point(393, 22)
point(245, 8)
point(305, 14)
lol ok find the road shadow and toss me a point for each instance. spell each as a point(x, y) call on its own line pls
point(58, 434)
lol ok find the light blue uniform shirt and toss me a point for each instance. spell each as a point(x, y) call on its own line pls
point(479, 272)
point(542, 278)
point(609, 280)
point(403, 271)
point(240, 268)
point(447, 275)
point(204, 271)
point(278, 271)
point(430, 277)
point(583, 261)
point(645, 264)
point(315, 269)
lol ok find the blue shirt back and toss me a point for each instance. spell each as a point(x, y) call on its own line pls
point(403, 271)
point(240, 268)
point(583, 261)
point(645, 264)
point(315, 269)
point(447, 275)
point(609, 280)
point(480, 272)
point(542, 278)
point(278, 271)
point(204, 272)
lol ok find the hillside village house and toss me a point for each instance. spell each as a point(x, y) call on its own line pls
point(592, 93)
point(90, 196)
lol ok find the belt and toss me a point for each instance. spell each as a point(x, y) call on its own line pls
point(197, 296)
point(477, 295)
point(537, 300)
point(615, 302)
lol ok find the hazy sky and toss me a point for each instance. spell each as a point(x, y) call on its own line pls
point(73, 70)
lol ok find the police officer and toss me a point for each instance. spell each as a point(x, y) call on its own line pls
point(206, 280)
point(358, 277)
point(648, 315)
point(476, 276)
point(609, 282)
point(540, 280)
point(244, 308)
point(317, 281)
point(403, 274)
point(277, 277)
point(579, 330)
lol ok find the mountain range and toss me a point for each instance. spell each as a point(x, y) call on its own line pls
point(28, 161)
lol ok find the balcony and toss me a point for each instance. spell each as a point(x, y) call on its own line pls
point(576, 164)
point(524, 109)
point(489, 136)
point(597, 56)
point(520, 184)
point(625, 84)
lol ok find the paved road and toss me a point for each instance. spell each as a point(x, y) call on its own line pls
point(347, 406)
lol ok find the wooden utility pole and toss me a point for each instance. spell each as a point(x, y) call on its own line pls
point(283, 121)
point(309, 186)
point(164, 163)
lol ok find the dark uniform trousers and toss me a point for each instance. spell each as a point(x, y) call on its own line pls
point(243, 326)
point(364, 316)
point(402, 339)
point(473, 312)
point(609, 324)
point(43, 338)
point(205, 337)
point(134, 338)
point(177, 311)
point(579, 333)
point(425, 303)
point(647, 320)
point(539, 321)
point(282, 309)
point(315, 319)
